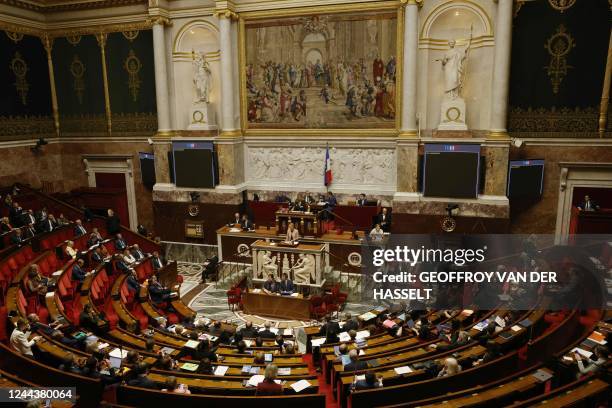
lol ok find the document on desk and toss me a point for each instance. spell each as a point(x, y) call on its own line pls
point(189, 367)
point(295, 294)
point(288, 332)
point(344, 336)
point(584, 353)
point(118, 353)
point(362, 334)
point(255, 379)
point(317, 342)
point(221, 370)
point(284, 371)
point(367, 316)
point(300, 385)
point(402, 370)
point(192, 344)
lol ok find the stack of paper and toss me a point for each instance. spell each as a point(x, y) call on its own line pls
point(344, 336)
point(598, 338)
point(255, 379)
point(117, 353)
point(363, 334)
point(360, 377)
point(192, 344)
point(500, 322)
point(402, 370)
point(480, 326)
point(189, 367)
point(300, 385)
point(288, 332)
point(295, 294)
point(102, 346)
point(221, 370)
point(367, 316)
point(284, 371)
point(516, 328)
point(584, 353)
point(317, 342)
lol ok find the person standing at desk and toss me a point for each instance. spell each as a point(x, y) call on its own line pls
point(362, 201)
point(384, 219)
point(298, 204)
point(588, 205)
point(271, 286)
point(292, 233)
point(286, 285)
point(308, 199)
point(331, 201)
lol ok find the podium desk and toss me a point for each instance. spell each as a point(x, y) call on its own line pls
point(283, 307)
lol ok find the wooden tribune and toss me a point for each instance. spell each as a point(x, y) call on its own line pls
point(283, 307)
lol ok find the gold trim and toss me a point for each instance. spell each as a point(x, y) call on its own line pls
point(189, 26)
point(558, 45)
point(130, 35)
point(64, 32)
point(230, 133)
point(132, 66)
point(605, 93)
point(19, 68)
point(101, 37)
point(561, 6)
point(412, 3)
point(407, 134)
point(310, 11)
point(48, 45)
point(227, 13)
point(77, 69)
point(448, 5)
point(14, 36)
point(499, 134)
point(160, 20)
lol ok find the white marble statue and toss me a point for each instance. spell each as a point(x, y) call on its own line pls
point(269, 264)
point(453, 67)
point(201, 78)
point(303, 269)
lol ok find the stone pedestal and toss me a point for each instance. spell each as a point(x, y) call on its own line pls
point(201, 117)
point(452, 114)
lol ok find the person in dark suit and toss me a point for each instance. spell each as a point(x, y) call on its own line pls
point(286, 285)
point(17, 238)
point(210, 268)
point(120, 243)
point(70, 365)
point(78, 273)
point(236, 220)
point(331, 201)
point(350, 323)
point(330, 330)
point(137, 253)
point(361, 201)
point(308, 199)
point(113, 223)
point(94, 238)
point(96, 256)
point(266, 333)
point(89, 319)
point(156, 261)
point(355, 364)
point(271, 285)
point(29, 231)
point(246, 224)
point(48, 224)
point(588, 205)
point(42, 214)
point(370, 381)
point(29, 218)
point(140, 377)
point(5, 225)
point(15, 214)
point(79, 229)
point(384, 219)
point(132, 282)
point(157, 292)
point(248, 330)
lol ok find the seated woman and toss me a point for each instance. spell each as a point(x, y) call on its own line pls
point(37, 284)
point(70, 251)
point(601, 353)
point(451, 367)
point(268, 386)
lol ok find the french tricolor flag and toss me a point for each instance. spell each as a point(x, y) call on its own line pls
point(327, 174)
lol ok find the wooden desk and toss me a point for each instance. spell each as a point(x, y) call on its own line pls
point(305, 222)
point(284, 307)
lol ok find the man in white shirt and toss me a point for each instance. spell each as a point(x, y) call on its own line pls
point(127, 257)
point(292, 233)
point(19, 339)
point(377, 233)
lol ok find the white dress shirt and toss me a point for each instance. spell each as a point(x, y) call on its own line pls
point(20, 342)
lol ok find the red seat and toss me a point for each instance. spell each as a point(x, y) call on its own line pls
point(317, 307)
point(234, 297)
point(20, 258)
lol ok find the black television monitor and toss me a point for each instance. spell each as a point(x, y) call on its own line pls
point(194, 164)
point(147, 169)
point(451, 170)
point(525, 178)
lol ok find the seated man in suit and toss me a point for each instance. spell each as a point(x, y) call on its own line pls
point(286, 286)
point(355, 364)
point(270, 286)
point(350, 323)
point(292, 233)
point(140, 379)
point(48, 224)
point(210, 268)
point(137, 253)
point(308, 199)
point(15, 214)
point(246, 224)
point(361, 201)
point(266, 333)
point(78, 273)
point(132, 282)
point(298, 204)
point(29, 218)
point(17, 238)
point(94, 238)
point(330, 330)
point(156, 261)
point(370, 381)
point(384, 219)
point(248, 330)
point(5, 225)
point(588, 205)
point(90, 320)
point(235, 221)
point(157, 291)
point(120, 244)
point(79, 229)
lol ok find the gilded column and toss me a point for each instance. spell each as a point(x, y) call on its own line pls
point(228, 88)
point(161, 75)
point(409, 70)
point(605, 93)
point(501, 69)
point(101, 37)
point(48, 44)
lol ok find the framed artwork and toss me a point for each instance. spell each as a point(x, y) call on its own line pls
point(334, 69)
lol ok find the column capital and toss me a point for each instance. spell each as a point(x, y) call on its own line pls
point(412, 3)
point(160, 20)
point(226, 13)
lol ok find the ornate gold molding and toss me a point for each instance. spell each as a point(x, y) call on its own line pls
point(48, 45)
point(58, 6)
point(548, 120)
point(19, 68)
point(412, 2)
point(558, 46)
point(101, 38)
point(227, 13)
point(80, 31)
point(16, 127)
point(132, 66)
point(14, 36)
point(161, 20)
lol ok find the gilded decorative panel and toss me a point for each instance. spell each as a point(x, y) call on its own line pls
point(559, 51)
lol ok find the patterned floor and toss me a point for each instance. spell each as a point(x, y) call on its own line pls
point(209, 301)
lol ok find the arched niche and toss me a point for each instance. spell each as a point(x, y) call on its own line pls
point(198, 35)
point(452, 20)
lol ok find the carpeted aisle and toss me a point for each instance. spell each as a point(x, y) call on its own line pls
point(324, 388)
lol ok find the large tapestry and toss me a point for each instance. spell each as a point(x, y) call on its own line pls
point(335, 71)
point(559, 51)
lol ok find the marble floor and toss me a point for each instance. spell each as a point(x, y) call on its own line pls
point(211, 301)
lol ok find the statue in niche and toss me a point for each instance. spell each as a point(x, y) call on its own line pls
point(453, 67)
point(201, 77)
